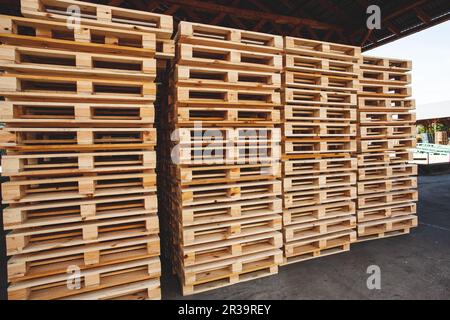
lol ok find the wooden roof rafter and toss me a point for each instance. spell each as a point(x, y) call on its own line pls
point(253, 14)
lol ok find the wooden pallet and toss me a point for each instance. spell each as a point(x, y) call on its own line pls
point(318, 212)
point(310, 64)
point(384, 157)
point(226, 211)
point(59, 139)
point(223, 97)
point(225, 249)
point(386, 118)
point(386, 199)
point(219, 116)
point(385, 185)
point(32, 113)
point(40, 214)
point(385, 77)
point(201, 175)
point(328, 50)
point(209, 276)
point(318, 246)
point(55, 35)
point(54, 261)
point(298, 96)
point(96, 14)
point(28, 240)
point(19, 59)
point(107, 16)
point(365, 215)
point(218, 153)
point(59, 88)
point(76, 187)
point(388, 91)
point(392, 131)
point(322, 129)
point(313, 113)
point(55, 287)
point(386, 64)
point(385, 171)
point(219, 193)
point(380, 227)
point(28, 165)
point(295, 79)
point(209, 77)
point(227, 58)
point(207, 35)
point(309, 147)
point(383, 235)
point(141, 290)
point(316, 197)
point(219, 231)
point(380, 145)
point(313, 182)
point(307, 230)
point(318, 166)
point(386, 104)
point(201, 135)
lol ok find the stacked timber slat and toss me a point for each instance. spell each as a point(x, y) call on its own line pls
point(320, 84)
point(78, 113)
point(222, 157)
point(386, 181)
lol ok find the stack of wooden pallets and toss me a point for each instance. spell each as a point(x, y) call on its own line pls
point(386, 181)
point(78, 109)
point(320, 84)
point(222, 157)
point(79, 95)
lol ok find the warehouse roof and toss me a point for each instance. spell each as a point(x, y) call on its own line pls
point(341, 21)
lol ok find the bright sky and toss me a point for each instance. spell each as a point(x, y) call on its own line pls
point(429, 51)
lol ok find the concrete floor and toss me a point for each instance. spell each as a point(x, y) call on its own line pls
point(415, 266)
